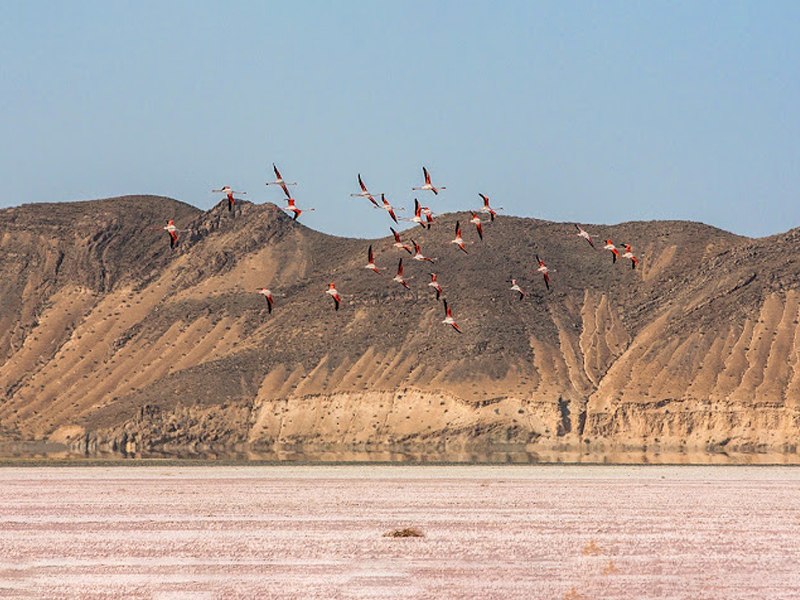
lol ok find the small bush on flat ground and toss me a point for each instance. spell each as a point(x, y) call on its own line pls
point(404, 533)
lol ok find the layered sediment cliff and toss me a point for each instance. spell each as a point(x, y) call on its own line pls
point(111, 342)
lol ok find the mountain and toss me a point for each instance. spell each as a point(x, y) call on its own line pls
point(114, 344)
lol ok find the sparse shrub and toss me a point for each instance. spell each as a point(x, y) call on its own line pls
point(610, 568)
point(573, 595)
point(591, 549)
point(405, 532)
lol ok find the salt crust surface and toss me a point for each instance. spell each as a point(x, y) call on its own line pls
point(318, 532)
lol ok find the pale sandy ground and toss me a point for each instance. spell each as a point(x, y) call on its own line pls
point(317, 532)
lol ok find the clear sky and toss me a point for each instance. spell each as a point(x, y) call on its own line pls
point(595, 112)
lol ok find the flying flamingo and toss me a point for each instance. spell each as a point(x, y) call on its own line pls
point(515, 288)
point(387, 207)
point(583, 233)
point(399, 277)
point(488, 209)
point(435, 285)
point(428, 216)
point(279, 180)
point(614, 252)
point(291, 207)
point(417, 218)
point(428, 185)
point(476, 220)
point(458, 240)
point(544, 271)
point(229, 193)
point(371, 263)
point(334, 294)
point(629, 254)
point(448, 319)
point(172, 231)
point(364, 193)
point(268, 295)
point(399, 244)
point(418, 255)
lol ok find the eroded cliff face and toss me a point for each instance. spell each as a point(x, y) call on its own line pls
point(113, 343)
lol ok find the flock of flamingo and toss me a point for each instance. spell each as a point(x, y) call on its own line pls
point(423, 216)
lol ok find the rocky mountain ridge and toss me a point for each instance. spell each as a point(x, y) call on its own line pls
point(114, 344)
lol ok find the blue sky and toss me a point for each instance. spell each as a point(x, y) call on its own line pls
point(595, 112)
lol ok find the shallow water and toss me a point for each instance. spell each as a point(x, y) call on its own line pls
point(318, 532)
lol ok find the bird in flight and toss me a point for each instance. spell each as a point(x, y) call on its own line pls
point(435, 285)
point(371, 259)
point(417, 218)
point(458, 239)
point(172, 231)
point(515, 288)
point(418, 255)
point(278, 179)
point(291, 206)
point(398, 243)
point(428, 216)
point(387, 207)
point(399, 277)
point(364, 193)
point(629, 254)
point(476, 220)
point(448, 317)
point(268, 295)
point(488, 209)
point(614, 252)
point(428, 185)
point(544, 271)
point(229, 193)
point(333, 293)
point(582, 233)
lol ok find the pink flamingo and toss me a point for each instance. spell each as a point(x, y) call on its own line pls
point(278, 179)
point(458, 239)
point(291, 207)
point(417, 218)
point(448, 318)
point(418, 255)
point(333, 293)
point(515, 288)
point(387, 207)
point(435, 285)
point(428, 185)
point(229, 193)
point(614, 252)
point(488, 209)
point(172, 231)
point(371, 263)
point(399, 277)
point(268, 295)
point(544, 271)
point(476, 220)
point(364, 193)
point(398, 243)
point(629, 254)
point(584, 234)
point(428, 216)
